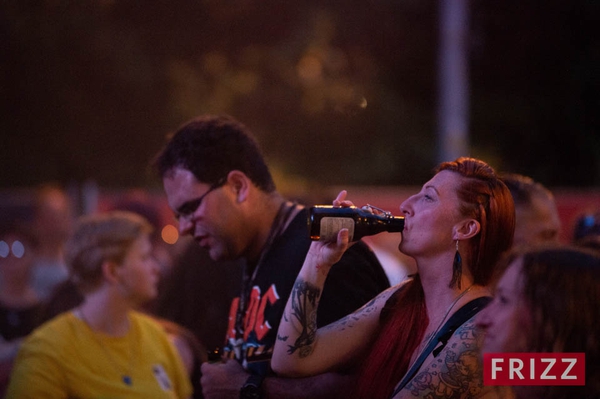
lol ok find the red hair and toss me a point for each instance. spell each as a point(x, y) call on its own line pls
point(484, 197)
point(404, 320)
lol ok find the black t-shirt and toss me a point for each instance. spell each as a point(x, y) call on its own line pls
point(353, 281)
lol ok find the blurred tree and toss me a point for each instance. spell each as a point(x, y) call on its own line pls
point(337, 94)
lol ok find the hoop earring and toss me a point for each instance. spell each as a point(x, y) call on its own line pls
point(456, 269)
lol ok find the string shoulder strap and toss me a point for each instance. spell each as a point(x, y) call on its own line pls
point(463, 314)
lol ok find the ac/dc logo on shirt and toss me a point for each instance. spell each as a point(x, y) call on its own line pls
point(254, 327)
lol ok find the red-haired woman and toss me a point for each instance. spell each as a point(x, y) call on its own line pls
point(406, 342)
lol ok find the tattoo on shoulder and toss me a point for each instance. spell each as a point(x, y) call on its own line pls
point(456, 372)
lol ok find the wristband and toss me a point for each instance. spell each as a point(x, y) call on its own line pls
point(251, 388)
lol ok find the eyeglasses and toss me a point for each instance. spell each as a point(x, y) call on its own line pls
point(185, 211)
point(17, 249)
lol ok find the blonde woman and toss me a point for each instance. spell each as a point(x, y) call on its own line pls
point(104, 348)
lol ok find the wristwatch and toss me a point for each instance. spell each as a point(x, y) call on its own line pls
point(251, 388)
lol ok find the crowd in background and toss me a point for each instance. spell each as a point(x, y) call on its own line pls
point(35, 286)
point(194, 291)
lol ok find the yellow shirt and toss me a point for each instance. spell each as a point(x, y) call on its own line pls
point(64, 358)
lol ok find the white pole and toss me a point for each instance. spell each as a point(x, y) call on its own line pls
point(453, 96)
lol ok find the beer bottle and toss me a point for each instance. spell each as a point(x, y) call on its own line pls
point(325, 221)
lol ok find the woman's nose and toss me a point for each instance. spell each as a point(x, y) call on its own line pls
point(405, 206)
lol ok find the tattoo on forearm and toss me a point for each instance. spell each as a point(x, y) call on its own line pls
point(304, 299)
point(351, 319)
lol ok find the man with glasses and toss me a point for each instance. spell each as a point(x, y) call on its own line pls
point(222, 193)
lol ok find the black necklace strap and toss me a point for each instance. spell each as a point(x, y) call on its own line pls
point(283, 213)
point(463, 314)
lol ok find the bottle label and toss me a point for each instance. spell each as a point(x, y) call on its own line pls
point(330, 226)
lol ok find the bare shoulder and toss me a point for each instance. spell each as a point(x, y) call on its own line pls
point(456, 372)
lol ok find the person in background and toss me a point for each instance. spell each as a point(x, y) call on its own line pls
point(139, 201)
point(587, 230)
point(52, 224)
point(191, 347)
point(166, 309)
point(103, 347)
point(547, 300)
point(407, 342)
point(178, 285)
point(537, 216)
point(20, 306)
point(223, 195)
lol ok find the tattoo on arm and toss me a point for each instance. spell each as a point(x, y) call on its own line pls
point(303, 302)
point(304, 299)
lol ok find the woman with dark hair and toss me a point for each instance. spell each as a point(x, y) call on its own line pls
point(547, 300)
point(408, 341)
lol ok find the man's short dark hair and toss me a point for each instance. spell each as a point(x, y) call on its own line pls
point(210, 146)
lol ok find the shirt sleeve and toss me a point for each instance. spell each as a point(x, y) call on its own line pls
point(356, 279)
point(36, 373)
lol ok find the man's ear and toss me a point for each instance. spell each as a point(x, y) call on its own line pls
point(240, 183)
point(466, 229)
point(110, 271)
